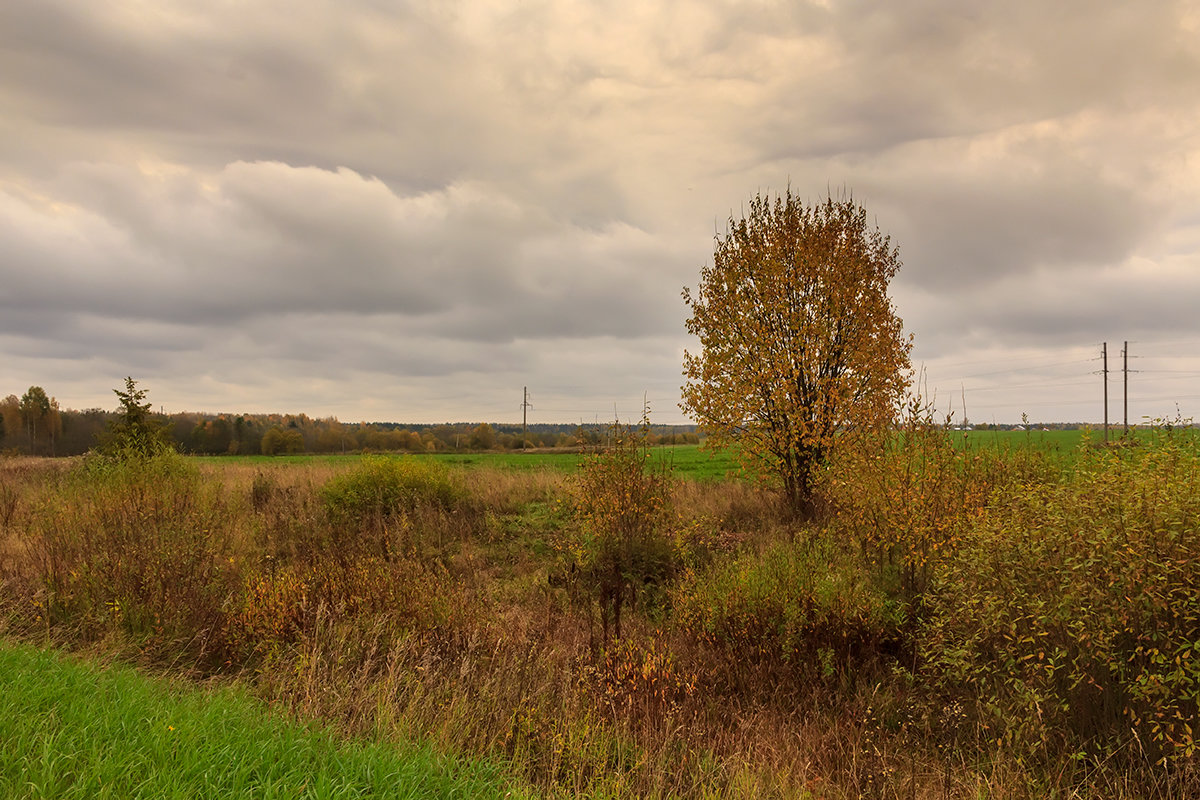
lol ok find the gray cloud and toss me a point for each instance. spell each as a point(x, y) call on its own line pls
point(979, 220)
point(404, 210)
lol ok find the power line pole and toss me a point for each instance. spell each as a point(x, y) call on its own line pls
point(1125, 380)
point(524, 415)
point(1104, 372)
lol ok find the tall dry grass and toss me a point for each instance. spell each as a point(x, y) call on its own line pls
point(771, 659)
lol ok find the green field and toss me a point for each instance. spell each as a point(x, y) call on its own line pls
point(691, 461)
point(1037, 439)
point(685, 461)
point(69, 729)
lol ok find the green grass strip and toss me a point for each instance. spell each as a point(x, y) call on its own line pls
point(72, 730)
point(685, 460)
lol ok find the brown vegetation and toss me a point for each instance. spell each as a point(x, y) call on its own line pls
point(958, 624)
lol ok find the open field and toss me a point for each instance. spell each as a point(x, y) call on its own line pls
point(698, 462)
point(687, 461)
point(1011, 620)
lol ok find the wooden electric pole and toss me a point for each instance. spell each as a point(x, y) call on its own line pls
point(1104, 373)
point(1125, 382)
point(524, 415)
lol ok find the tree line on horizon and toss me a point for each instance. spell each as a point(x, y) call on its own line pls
point(34, 424)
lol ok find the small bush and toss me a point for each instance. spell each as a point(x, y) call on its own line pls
point(285, 605)
point(641, 679)
point(909, 497)
point(623, 536)
point(384, 487)
point(385, 504)
point(806, 605)
point(262, 490)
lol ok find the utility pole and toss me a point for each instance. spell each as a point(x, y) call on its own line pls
point(1125, 381)
point(524, 415)
point(1104, 372)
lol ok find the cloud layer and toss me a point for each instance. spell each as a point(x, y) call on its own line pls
point(410, 211)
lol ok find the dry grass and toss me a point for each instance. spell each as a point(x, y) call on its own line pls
point(469, 630)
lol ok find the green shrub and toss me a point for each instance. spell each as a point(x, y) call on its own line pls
point(388, 506)
point(1072, 616)
point(383, 487)
point(805, 604)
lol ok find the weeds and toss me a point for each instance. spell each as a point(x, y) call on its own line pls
point(962, 622)
point(135, 547)
point(804, 611)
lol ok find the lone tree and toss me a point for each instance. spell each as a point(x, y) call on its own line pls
point(134, 434)
point(801, 348)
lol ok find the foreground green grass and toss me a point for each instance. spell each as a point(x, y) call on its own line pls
point(68, 730)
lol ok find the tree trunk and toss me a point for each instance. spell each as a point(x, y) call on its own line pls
point(797, 485)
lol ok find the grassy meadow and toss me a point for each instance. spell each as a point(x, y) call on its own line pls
point(990, 615)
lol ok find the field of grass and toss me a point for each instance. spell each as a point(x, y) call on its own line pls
point(696, 461)
point(1038, 439)
point(71, 730)
point(997, 617)
point(687, 461)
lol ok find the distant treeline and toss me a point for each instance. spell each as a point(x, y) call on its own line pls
point(34, 424)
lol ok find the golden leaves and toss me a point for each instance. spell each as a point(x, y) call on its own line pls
point(800, 344)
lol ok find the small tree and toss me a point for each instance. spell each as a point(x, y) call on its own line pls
point(624, 542)
point(133, 433)
point(801, 348)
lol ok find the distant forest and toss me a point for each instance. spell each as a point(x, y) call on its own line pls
point(33, 424)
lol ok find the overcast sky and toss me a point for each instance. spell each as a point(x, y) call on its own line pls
point(407, 211)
